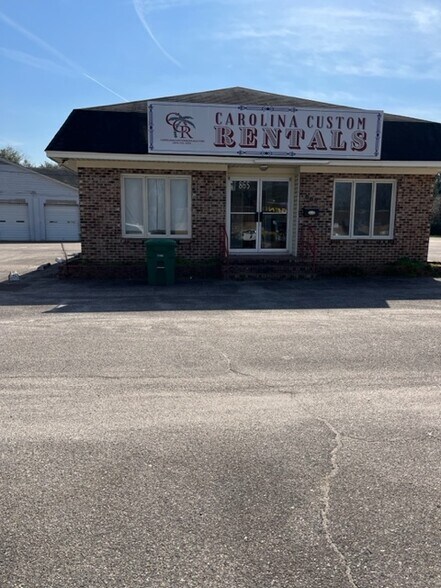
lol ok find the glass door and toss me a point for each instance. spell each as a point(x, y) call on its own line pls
point(243, 214)
point(274, 214)
point(258, 215)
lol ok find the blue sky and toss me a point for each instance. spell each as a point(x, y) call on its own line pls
point(57, 55)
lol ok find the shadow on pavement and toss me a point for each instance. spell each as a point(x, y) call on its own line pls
point(44, 288)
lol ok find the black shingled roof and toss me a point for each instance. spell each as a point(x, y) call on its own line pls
point(122, 128)
point(66, 176)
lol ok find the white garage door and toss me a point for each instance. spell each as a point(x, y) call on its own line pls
point(62, 222)
point(14, 222)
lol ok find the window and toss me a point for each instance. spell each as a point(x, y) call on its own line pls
point(363, 209)
point(156, 206)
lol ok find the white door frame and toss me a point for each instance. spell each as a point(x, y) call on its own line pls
point(260, 179)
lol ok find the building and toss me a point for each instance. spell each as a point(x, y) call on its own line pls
point(258, 184)
point(62, 174)
point(36, 208)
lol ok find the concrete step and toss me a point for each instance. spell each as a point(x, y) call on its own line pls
point(265, 268)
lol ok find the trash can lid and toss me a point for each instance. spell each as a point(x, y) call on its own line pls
point(161, 244)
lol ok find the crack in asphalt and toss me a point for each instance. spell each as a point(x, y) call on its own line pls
point(326, 487)
point(232, 369)
point(235, 371)
point(429, 436)
point(326, 497)
point(327, 481)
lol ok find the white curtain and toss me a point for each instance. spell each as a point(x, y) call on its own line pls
point(133, 212)
point(156, 206)
point(179, 207)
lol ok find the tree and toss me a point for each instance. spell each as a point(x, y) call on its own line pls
point(14, 155)
point(48, 165)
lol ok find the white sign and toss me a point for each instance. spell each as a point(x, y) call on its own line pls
point(264, 131)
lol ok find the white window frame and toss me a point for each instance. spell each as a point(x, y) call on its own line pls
point(146, 235)
point(371, 236)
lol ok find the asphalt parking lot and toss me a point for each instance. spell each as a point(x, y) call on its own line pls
point(220, 434)
point(23, 258)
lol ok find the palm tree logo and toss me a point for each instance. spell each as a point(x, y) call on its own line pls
point(181, 125)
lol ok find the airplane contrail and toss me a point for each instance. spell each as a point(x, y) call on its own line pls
point(42, 43)
point(137, 4)
point(88, 76)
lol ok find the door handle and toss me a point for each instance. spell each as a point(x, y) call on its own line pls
point(258, 217)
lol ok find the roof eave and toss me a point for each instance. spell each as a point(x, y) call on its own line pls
point(71, 159)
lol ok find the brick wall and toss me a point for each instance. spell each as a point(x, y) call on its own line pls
point(100, 205)
point(100, 208)
point(412, 222)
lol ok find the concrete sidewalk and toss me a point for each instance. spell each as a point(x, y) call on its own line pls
point(26, 257)
point(434, 249)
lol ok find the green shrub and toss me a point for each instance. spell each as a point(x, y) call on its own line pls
point(405, 266)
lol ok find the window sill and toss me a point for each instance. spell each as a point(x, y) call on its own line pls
point(175, 237)
point(361, 238)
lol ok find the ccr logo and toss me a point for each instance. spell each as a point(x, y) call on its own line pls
point(181, 125)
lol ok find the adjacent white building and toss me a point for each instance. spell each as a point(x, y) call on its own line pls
point(36, 208)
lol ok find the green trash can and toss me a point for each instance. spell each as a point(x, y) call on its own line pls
point(161, 261)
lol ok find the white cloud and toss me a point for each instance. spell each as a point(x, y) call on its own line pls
point(12, 142)
point(427, 19)
point(160, 5)
point(38, 41)
point(380, 68)
point(378, 40)
point(145, 7)
point(37, 62)
point(314, 24)
point(142, 6)
point(353, 37)
point(33, 61)
point(155, 5)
